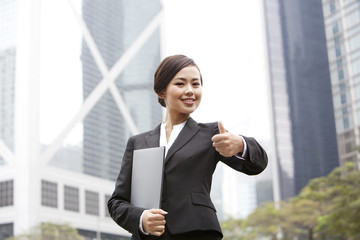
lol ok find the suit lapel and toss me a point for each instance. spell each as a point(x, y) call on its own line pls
point(153, 138)
point(186, 134)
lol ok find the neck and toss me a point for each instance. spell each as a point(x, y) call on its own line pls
point(172, 120)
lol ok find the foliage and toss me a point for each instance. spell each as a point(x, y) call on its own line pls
point(235, 229)
point(340, 193)
point(264, 221)
point(49, 231)
point(327, 208)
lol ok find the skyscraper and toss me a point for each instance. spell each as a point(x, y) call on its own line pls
point(7, 74)
point(303, 123)
point(7, 102)
point(342, 24)
point(7, 77)
point(76, 82)
point(114, 26)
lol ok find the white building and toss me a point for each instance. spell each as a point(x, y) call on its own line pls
point(47, 51)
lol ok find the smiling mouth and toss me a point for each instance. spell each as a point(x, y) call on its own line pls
point(188, 101)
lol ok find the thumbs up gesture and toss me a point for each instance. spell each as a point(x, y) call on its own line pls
point(226, 143)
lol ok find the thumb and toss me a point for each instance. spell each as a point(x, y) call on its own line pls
point(221, 127)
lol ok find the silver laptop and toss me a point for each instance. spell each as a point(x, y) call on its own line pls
point(147, 176)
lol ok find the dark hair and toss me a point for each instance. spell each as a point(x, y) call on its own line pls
point(167, 70)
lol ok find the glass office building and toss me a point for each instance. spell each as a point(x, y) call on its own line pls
point(114, 26)
point(303, 125)
point(342, 24)
point(76, 81)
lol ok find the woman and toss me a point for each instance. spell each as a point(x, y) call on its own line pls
point(192, 152)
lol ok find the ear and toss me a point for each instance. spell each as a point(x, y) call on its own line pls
point(161, 95)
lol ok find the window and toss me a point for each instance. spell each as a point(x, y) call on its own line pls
point(337, 51)
point(349, 147)
point(107, 236)
point(344, 110)
point(87, 234)
point(339, 62)
point(92, 203)
point(341, 74)
point(342, 86)
point(343, 98)
point(71, 198)
point(6, 230)
point(6, 193)
point(335, 28)
point(332, 6)
point(107, 197)
point(49, 194)
point(346, 123)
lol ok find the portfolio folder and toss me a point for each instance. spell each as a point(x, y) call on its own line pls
point(147, 176)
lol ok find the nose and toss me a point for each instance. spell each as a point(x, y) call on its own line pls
point(189, 90)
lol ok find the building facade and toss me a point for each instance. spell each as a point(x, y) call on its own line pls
point(114, 26)
point(342, 24)
point(76, 82)
point(303, 125)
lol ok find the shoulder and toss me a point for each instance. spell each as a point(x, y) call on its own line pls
point(211, 127)
point(141, 138)
point(154, 131)
point(141, 135)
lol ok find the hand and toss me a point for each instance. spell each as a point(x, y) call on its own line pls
point(226, 143)
point(153, 221)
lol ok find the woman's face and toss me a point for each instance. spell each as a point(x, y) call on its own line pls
point(183, 93)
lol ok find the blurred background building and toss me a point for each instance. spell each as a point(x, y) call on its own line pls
point(105, 128)
point(64, 170)
point(342, 25)
point(303, 125)
point(76, 81)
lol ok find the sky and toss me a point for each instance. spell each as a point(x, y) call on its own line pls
point(227, 41)
point(224, 37)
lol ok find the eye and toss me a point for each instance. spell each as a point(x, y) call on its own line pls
point(196, 84)
point(179, 83)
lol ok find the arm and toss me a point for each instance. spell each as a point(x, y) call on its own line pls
point(229, 146)
point(255, 159)
point(125, 214)
point(120, 209)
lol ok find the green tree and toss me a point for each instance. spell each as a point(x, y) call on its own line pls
point(236, 229)
point(264, 221)
point(343, 196)
point(338, 197)
point(49, 231)
point(299, 217)
point(327, 208)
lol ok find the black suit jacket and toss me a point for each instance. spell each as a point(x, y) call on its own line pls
point(189, 166)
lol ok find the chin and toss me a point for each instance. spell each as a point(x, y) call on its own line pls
point(189, 111)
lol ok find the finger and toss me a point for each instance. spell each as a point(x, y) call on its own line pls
point(221, 127)
point(220, 144)
point(156, 218)
point(158, 230)
point(158, 233)
point(215, 138)
point(158, 211)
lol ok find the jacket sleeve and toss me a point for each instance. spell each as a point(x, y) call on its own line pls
point(123, 213)
point(255, 159)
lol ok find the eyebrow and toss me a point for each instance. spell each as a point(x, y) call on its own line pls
point(184, 79)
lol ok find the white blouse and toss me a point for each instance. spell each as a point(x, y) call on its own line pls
point(174, 134)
